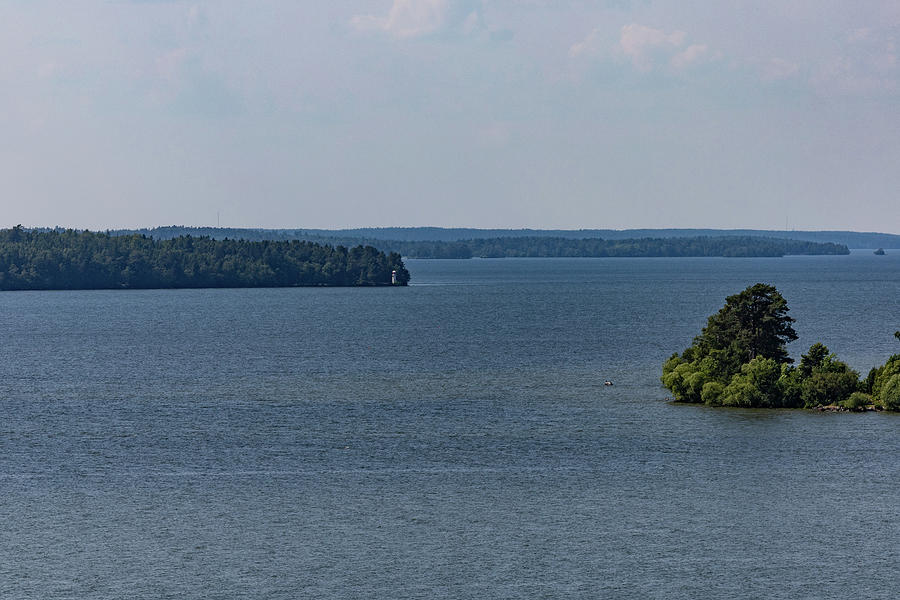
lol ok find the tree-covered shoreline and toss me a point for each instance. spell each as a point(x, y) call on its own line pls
point(687, 247)
point(70, 260)
point(376, 236)
point(727, 246)
point(739, 359)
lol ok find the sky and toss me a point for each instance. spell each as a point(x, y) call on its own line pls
point(565, 114)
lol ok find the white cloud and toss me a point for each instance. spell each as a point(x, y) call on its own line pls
point(417, 18)
point(591, 45)
point(844, 75)
point(493, 135)
point(49, 69)
point(860, 34)
point(866, 64)
point(645, 47)
point(471, 23)
point(170, 64)
point(690, 55)
point(196, 18)
point(778, 69)
point(643, 44)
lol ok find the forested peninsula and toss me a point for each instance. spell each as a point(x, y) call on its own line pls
point(537, 247)
point(533, 246)
point(851, 239)
point(69, 260)
point(740, 359)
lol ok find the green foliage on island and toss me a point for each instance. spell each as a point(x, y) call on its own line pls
point(740, 359)
point(540, 244)
point(725, 246)
point(560, 247)
point(377, 235)
point(68, 260)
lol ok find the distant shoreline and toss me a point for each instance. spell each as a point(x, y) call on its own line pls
point(851, 239)
point(71, 260)
point(535, 246)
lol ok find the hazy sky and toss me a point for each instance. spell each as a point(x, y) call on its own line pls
point(490, 113)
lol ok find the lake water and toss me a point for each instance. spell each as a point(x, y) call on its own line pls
point(452, 439)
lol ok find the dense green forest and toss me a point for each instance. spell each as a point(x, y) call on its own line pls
point(726, 246)
point(544, 246)
point(66, 260)
point(740, 359)
point(376, 235)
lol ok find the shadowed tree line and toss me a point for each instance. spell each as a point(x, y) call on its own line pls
point(740, 359)
point(375, 235)
point(723, 246)
point(561, 247)
point(67, 260)
point(537, 246)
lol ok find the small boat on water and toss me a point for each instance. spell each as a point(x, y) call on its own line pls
point(607, 382)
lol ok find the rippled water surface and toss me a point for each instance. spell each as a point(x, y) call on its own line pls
point(448, 440)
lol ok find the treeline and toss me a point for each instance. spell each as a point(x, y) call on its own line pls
point(538, 245)
point(67, 260)
point(375, 235)
point(725, 246)
point(739, 359)
point(559, 247)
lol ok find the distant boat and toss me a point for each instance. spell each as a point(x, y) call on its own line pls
point(607, 382)
point(879, 252)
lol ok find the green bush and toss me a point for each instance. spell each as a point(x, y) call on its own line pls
point(884, 373)
point(857, 401)
point(790, 387)
point(889, 395)
point(827, 388)
point(825, 379)
point(712, 393)
point(756, 386)
point(869, 381)
point(741, 393)
point(676, 376)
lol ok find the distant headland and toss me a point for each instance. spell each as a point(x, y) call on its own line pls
point(69, 260)
point(426, 242)
point(851, 239)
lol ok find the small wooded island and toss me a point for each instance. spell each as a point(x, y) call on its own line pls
point(78, 260)
point(739, 359)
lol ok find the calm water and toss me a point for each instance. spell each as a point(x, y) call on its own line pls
point(448, 440)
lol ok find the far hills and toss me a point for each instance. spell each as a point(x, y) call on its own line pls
point(851, 239)
point(435, 242)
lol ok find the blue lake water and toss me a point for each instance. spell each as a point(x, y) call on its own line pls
point(452, 439)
